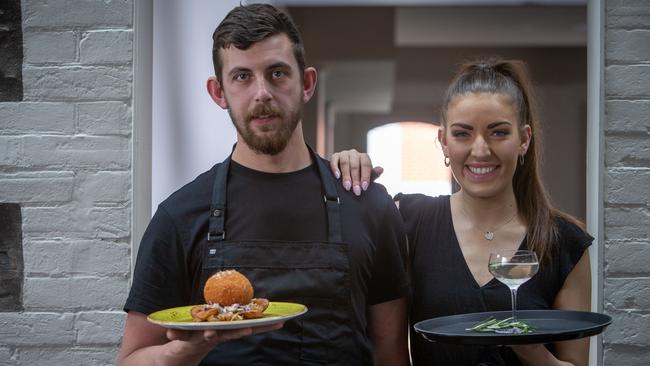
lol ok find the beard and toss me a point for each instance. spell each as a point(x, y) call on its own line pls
point(274, 138)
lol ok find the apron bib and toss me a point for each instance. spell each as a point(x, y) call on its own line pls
point(316, 274)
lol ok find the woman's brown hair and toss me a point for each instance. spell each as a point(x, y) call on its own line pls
point(510, 77)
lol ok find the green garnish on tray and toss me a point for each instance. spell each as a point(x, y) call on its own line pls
point(505, 326)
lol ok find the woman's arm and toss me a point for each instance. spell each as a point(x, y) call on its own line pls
point(574, 295)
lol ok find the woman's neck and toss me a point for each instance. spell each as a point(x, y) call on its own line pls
point(488, 211)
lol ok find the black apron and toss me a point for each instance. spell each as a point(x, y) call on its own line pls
point(315, 274)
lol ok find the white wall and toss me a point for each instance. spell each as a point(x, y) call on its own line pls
point(190, 132)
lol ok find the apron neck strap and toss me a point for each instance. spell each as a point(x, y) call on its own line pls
point(331, 199)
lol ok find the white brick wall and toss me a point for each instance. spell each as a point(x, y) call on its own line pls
point(627, 182)
point(77, 82)
point(104, 118)
point(93, 14)
point(65, 156)
point(41, 118)
point(106, 47)
point(50, 47)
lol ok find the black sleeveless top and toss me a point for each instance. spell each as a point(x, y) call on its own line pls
point(443, 284)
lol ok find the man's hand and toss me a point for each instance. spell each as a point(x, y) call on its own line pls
point(145, 343)
point(355, 170)
point(188, 343)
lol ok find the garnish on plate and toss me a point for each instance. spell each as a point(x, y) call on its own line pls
point(505, 326)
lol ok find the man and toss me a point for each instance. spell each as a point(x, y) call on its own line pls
point(273, 211)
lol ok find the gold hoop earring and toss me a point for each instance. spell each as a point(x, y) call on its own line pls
point(447, 161)
point(521, 159)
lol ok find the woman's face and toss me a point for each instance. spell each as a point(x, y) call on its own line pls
point(483, 140)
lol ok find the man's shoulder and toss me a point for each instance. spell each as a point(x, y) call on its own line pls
point(195, 193)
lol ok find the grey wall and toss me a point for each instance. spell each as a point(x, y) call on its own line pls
point(65, 157)
point(627, 182)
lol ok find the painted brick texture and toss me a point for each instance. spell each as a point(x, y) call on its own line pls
point(65, 157)
point(627, 165)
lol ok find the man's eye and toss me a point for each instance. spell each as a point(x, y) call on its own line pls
point(241, 76)
point(278, 74)
point(459, 134)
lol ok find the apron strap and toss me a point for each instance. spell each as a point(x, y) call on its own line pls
point(216, 228)
point(331, 198)
point(217, 222)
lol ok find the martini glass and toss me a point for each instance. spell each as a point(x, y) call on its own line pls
point(513, 268)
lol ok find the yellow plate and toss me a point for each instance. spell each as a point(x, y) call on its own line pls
point(180, 318)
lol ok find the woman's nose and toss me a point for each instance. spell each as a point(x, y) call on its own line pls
point(480, 147)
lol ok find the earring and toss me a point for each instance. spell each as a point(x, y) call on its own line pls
point(446, 161)
point(521, 159)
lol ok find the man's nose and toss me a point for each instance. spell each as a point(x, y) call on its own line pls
point(262, 94)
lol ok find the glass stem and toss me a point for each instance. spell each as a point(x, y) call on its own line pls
point(513, 291)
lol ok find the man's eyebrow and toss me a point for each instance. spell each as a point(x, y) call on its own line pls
point(237, 70)
point(279, 64)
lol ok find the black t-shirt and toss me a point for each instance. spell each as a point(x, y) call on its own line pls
point(443, 284)
point(269, 206)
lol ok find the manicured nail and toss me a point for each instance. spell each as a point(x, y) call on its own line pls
point(347, 185)
point(357, 190)
point(337, 174)
point(364, 185)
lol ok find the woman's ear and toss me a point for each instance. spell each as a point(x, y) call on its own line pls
point(216, 92)
point(442, 139)
point(526, 138)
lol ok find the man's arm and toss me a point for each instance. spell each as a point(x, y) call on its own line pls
point(145, 343)
point(388, 326)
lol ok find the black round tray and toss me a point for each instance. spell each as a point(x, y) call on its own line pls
point(549, 325)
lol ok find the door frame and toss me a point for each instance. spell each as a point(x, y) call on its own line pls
point(142, 140)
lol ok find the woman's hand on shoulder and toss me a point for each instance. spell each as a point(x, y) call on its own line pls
point(354, 169)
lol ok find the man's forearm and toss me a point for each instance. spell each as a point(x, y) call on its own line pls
point(168, 354)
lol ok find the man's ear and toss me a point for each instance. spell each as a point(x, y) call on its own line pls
point(309, 79)
point(216, 92)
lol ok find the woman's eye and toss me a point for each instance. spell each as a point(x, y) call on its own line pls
point(501, 133)
point(460, 134)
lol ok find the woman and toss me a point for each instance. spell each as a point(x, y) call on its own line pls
point(490, 139)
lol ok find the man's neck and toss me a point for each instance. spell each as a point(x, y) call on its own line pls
point(295, 156)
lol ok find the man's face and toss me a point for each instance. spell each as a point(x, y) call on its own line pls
point(263, 90)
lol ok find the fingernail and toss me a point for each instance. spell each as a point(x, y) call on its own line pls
point(357, 190)
point(364, 185)
point(347, 185)
point(337, 174)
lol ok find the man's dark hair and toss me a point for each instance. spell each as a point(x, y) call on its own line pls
point(248, 24)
